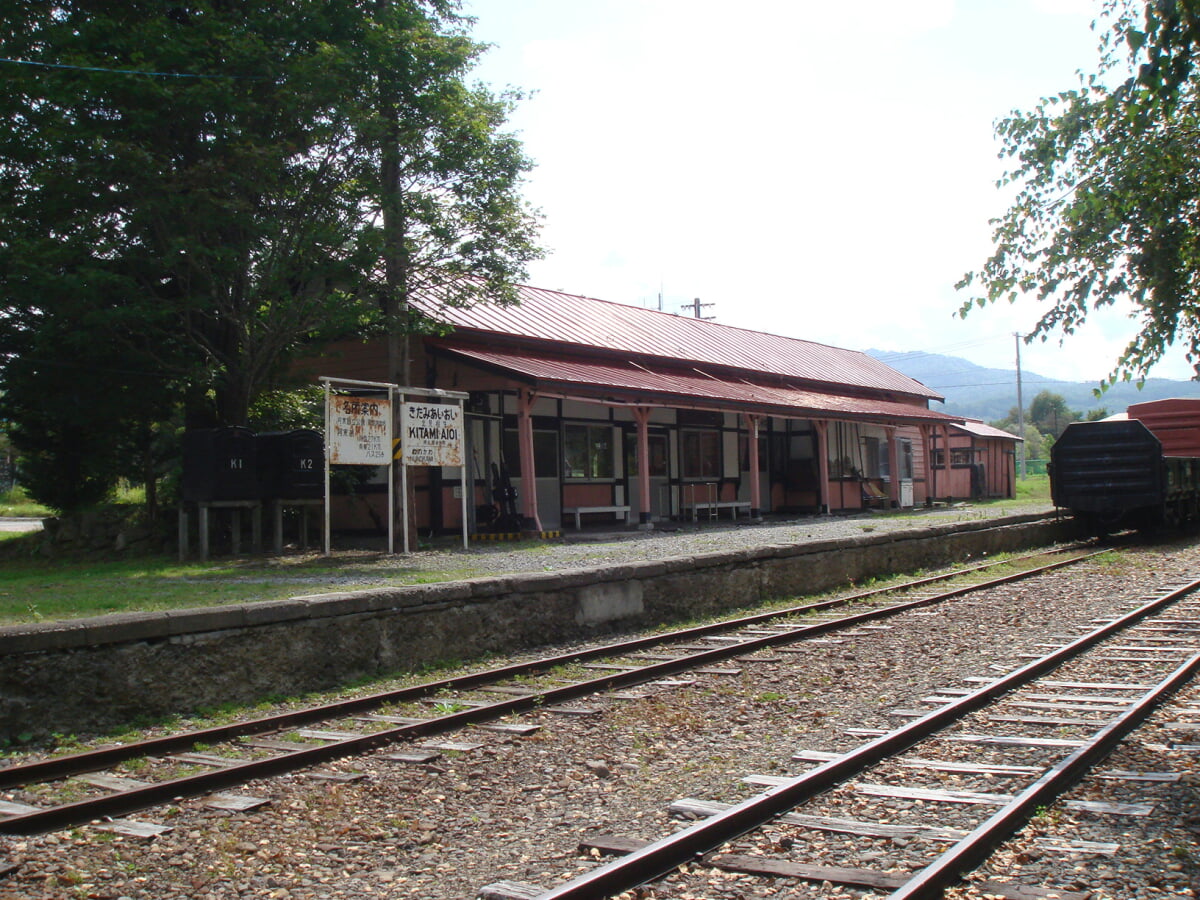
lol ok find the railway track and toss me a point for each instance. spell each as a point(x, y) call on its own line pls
point(113, 782)
point(1088, 693)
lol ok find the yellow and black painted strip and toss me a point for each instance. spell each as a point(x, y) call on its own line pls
point(517, 536)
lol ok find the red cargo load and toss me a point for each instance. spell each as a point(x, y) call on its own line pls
point(1175, 422)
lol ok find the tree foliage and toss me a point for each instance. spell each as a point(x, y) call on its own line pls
point(192, 193)
point(1045, 420)
point(1049, 414)
point(1108, 191)
point(1036, 443)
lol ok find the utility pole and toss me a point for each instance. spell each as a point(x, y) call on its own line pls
point(695, 306)
point(1020, 407)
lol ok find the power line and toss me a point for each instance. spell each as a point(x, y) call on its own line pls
point(46, 65)
point(973, 384)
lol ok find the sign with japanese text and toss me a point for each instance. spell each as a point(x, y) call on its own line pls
point(431, 434)
point(360, 431)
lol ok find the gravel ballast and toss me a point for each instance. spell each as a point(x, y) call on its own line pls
point(516, 808)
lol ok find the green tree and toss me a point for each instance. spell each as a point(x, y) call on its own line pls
point(446, 219)
point(213, 187)
point(1107, 181)
point(1049, 414)
point(176, 159)
point(79, 413)
point(1037, 444)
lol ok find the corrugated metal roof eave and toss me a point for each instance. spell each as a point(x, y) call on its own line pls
point(606, 382)
point(486, 339)
point(556, 319)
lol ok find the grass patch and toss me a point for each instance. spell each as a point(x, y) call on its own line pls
point(16, 503)
point(35, 590)
point(1033, 488)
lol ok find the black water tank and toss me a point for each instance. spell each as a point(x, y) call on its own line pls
point(291, 464)
point(220, 464)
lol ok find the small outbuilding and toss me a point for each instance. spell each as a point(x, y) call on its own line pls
point(600, 412)
point(982, 460)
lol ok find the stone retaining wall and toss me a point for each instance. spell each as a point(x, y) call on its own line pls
point(89, 675)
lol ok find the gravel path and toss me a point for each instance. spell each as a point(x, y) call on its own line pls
point(516, 807)
point(14, 523)
point(600, 548)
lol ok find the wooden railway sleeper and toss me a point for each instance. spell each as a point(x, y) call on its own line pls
point(665, 855)
point(135, 799)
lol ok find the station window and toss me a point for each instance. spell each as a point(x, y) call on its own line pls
point(876, 461)
point(906, 459)
point(700, 454)
point(744, 452)
point(657, 445)
point(959, 456)
point(545, 453)
point(878, 464)
point(588, 451)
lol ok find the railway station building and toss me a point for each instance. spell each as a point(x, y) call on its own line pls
point(597, 412)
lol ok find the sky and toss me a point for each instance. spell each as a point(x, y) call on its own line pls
point(823, 171)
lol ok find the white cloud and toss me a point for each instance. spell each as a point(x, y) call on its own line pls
point(822, 171)
point(1068, 7)
point(899, 20)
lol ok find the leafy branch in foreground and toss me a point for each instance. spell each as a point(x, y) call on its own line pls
point(1108, 193)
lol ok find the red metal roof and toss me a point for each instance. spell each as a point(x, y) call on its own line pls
point(979, 429)
point(631, 382)
point(570, 321)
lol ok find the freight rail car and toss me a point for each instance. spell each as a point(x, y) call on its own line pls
point(1113, 474)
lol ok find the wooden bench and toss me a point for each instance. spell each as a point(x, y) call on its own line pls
point(622, 512)
point(714, 507)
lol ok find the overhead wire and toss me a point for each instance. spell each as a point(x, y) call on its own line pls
point(139, 72)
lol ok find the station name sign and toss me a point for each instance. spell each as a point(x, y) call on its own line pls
point(360, 431)
point(431, 434)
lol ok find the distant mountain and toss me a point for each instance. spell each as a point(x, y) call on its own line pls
point(981, 393)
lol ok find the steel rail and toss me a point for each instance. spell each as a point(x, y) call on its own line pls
point(932, 881)
point(93, 760)
point(667, 854)
point(124, 802)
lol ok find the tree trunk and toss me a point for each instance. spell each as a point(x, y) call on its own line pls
point(395, 296)
point(150, 477)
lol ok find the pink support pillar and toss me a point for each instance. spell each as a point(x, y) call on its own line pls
point(893, 449)
point(930, 471)
point(823, 462)
point(641, 415)
point(755, 479)
point(529, 510)
point(946, 461)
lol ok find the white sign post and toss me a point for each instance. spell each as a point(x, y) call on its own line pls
point(434, 434)
point(358, 432)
